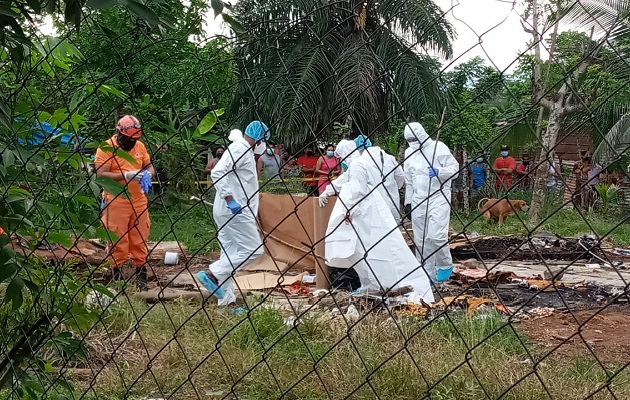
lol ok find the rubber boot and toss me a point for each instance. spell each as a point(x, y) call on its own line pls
point(141, 279)
point(117, 275)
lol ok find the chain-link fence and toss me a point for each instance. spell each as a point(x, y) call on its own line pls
point(314, 199)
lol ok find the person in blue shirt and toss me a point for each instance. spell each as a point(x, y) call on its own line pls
point(478, 175)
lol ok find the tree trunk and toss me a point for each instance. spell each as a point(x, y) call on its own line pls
point(540, 180)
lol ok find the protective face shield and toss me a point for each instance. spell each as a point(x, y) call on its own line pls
point(125, 142)
point(504, 153)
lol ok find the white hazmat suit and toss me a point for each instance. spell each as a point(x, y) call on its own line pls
point(392, 178)
point(372, 242)
point(235, 175)
point(429, 198)
point(345, 151)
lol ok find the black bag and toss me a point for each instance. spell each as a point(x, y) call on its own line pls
point(344, 279)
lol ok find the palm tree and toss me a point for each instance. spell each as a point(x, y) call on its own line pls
point(306, 64)
point(610, 16)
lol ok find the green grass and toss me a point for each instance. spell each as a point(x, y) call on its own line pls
point(564, 222)
point(191, 224)
point(260, 357)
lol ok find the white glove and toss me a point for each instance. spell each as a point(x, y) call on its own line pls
point(323, 199)
point(133, 176)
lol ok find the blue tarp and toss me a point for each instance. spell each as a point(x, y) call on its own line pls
point(40, 131)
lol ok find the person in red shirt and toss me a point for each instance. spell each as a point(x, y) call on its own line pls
point(308, 162)
point(504, 167)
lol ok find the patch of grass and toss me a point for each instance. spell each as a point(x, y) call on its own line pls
point(191, 224)
point(183, 351)
point(564, 222)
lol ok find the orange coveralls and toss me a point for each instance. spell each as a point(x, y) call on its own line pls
point(128, 218)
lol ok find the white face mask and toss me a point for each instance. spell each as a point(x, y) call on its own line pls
point(414, 145)
point(260, 148)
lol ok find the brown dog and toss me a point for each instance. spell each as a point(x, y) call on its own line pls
point(499, 209)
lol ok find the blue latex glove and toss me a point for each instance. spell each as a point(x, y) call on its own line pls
point(145, 182)
point(234, 206)
point(433, 172)
point(443, 274)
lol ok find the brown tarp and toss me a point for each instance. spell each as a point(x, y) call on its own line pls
point(294, 229)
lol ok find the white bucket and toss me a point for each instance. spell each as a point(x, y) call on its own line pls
point(171, 258)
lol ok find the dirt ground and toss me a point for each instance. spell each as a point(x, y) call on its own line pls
point(602, 334)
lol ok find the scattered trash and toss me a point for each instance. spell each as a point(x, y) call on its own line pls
point(99, 300)
point(621, 252)
point(541, 247)
point(310, 279)
point(469, 302)
point(319, 293)
point(468, 276)
point(352, 314)
point(171, 258)
point(554, 273)
point(413, 309)
point(297, 289)
point(534, 313)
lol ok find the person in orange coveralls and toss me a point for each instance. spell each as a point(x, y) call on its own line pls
point(127, 218)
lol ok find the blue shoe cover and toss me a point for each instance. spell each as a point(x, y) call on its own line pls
point(444, 273)
point(236, 310)
point(210, 286)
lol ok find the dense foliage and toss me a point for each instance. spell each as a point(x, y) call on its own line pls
point(311, 71)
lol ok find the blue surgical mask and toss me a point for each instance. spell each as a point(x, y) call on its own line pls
point(504, 153)
point(330, 153)
point(270, 152)
point(480, 159)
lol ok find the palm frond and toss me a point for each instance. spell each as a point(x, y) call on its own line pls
point(414, 88)
point(421, 22)
point(604, 16)
point(615, 143)
point(306, 64)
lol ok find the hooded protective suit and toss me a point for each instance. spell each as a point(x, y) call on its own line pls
point(235, 134)
point(429, 198)
point(235, 175)
point(391, 179)
point(372, 242)
point(345, 152)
